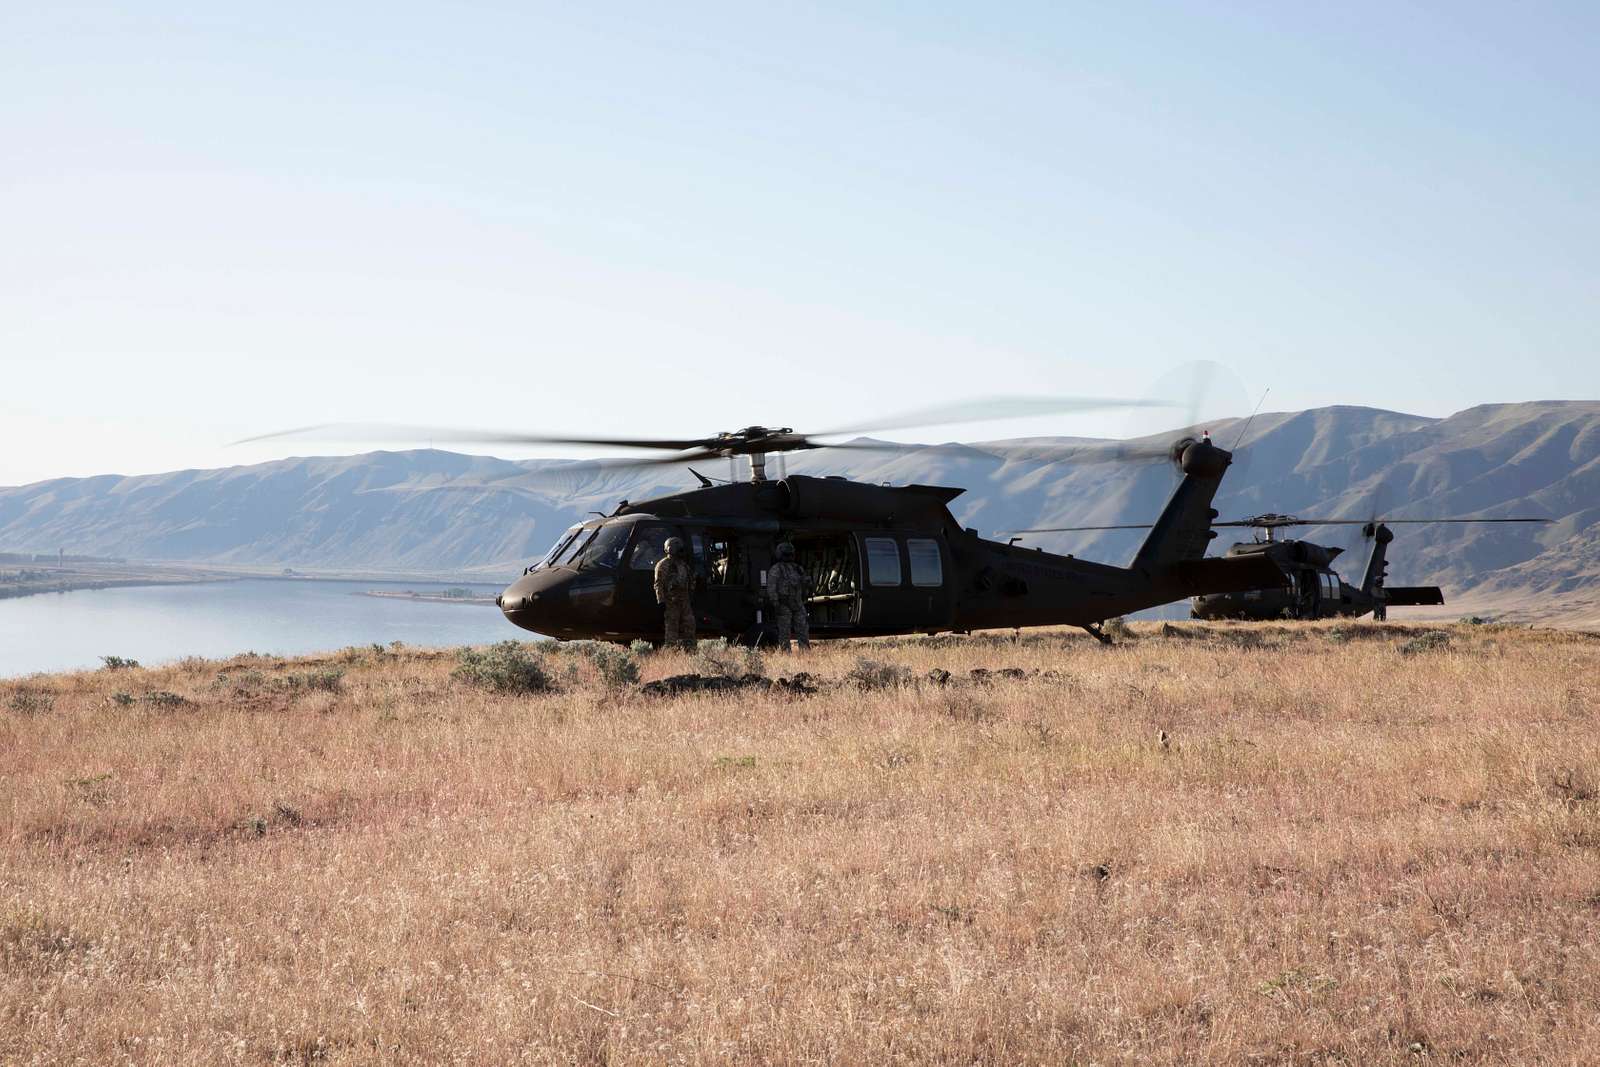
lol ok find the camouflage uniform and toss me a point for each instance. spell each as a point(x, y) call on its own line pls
point(674, 585)
point(786, 590)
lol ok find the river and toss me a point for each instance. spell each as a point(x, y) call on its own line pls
point(159, 623)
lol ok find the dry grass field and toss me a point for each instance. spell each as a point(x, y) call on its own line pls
point(1241, 844)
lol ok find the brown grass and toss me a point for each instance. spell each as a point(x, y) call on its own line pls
point(1236, 845)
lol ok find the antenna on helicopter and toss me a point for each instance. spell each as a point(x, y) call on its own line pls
point(1252, 418)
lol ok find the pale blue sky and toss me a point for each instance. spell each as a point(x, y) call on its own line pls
point(219, 220)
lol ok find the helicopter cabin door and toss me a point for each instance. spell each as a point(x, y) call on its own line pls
point(906, 582)
point(725, 602)
point(833, 571)
point(636, 595)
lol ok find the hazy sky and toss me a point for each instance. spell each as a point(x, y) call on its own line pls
point(218, 220)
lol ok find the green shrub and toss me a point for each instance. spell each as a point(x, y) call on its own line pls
point(617, 666)
point(719, 659)
point(31, 701)
point(324, 679)
point(870, 674)
point(246, 681)
point(641, 648)
point(117, 663)
point(507, 667)
point(1429, 641)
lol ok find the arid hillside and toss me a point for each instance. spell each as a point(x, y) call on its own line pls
point(1241, 844)
point(439, 511)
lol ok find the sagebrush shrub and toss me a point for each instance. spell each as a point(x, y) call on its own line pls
point(507, 667)
point(31, 701)
point(1429, 641)
point(616, 666)
point(871, 674)
point(721, 660)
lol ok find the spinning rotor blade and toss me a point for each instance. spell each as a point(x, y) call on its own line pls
point(527, 482)
point(1395, 522)
point(1368, 522)
point(1076, 529)
point(759, 440)
point(1045, 452)
point(983, 409)
point(1262, 524)
point(375, 432)
point(618, 466)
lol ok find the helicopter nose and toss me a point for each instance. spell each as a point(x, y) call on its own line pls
point(527, 602)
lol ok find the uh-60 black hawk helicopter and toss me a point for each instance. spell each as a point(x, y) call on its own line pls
point(881, 559)
point(1309, 587)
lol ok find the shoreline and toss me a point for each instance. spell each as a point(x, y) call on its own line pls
point(431, 598)
point(79, 579)
point(81, 584)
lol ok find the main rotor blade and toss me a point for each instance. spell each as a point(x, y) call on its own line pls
point(375, 432)
point(527, 481)
point(1261, 525)
point(531, 483)
point(1042, 452)
point(1364, 522)
point(983, 409)
point(1076, 529)
point(620, 464)
point(1393, 522)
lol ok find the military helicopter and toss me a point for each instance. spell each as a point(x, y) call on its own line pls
point(1310, 588)
point(881, 559)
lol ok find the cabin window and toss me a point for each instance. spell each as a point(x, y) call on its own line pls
point(883, 560)
point(649, 545)
point(1330, 587)
point(723, 559)
point(606, 548)
point(926, 568)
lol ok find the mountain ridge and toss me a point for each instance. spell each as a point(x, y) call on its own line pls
point(428, 509)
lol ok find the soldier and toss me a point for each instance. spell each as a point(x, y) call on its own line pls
point(674, 585)
point(786, 591)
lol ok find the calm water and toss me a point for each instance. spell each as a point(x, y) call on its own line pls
point(156, 623)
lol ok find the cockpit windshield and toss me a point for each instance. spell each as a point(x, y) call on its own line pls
point(605, 549)
point(562, 545)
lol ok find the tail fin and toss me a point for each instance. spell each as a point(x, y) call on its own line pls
point(1377, 559)
point(1184, 529)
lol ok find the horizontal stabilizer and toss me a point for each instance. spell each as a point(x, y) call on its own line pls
point(1228, 574)
point(1412, 595)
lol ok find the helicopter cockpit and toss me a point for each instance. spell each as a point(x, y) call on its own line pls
point(565, 545)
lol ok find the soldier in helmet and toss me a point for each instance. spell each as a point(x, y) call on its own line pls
point(674, 585)
point(786, 592)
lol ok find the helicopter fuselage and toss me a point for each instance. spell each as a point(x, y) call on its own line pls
point(1311, 588)
point(880, 560)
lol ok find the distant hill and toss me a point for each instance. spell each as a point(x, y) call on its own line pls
point(436, 511)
